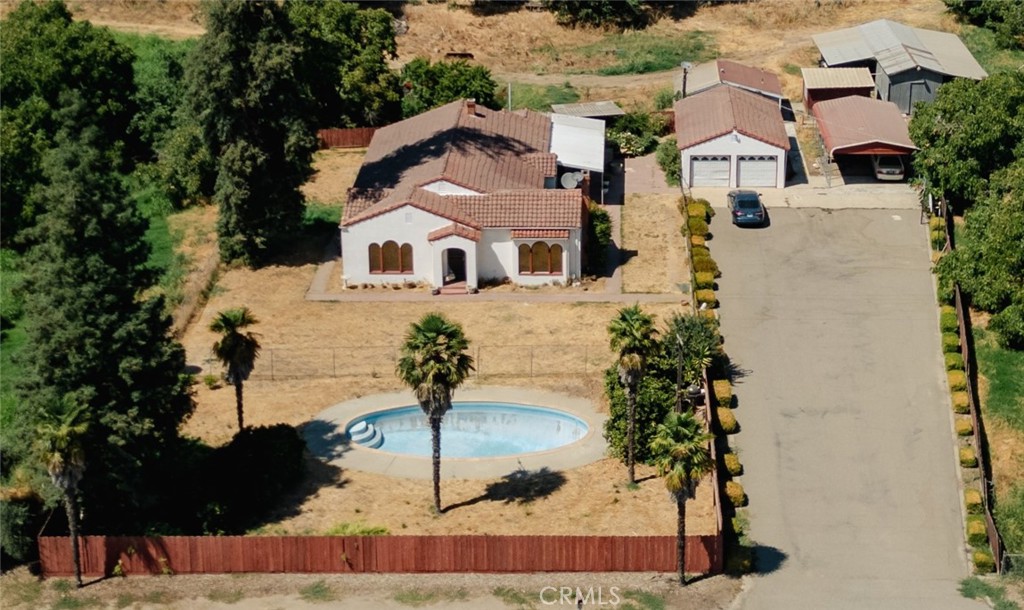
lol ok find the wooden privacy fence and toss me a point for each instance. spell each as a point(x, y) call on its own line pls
point(390, 554)
point(353, 137)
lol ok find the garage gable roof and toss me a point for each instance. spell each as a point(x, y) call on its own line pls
point(855, 122)
point(722, 110)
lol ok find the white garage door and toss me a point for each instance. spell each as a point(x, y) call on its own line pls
point(758, 171)
point(709, 171)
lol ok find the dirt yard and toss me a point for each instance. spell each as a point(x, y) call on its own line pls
point(653, 244)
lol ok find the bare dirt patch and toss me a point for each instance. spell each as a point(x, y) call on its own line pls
point(653, 244)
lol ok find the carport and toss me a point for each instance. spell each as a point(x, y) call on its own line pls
point(853, 128)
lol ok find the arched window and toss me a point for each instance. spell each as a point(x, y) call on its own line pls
point(390, 258)
point(540, 259)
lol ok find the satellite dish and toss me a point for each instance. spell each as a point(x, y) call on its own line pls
point(579, 176)
point(570, 181)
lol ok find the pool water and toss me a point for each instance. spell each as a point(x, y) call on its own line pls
point(469, 430)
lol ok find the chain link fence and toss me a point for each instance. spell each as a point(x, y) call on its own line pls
point(376, 361)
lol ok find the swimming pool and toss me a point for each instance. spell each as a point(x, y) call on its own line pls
point(469, 430)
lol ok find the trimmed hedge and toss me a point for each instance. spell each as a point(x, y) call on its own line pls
point(727, 423)
point(936, 222)
point(960, 403)
point(723, 392)
point(697, 210)
point(948, 322)
point(697, 240)
point(950, 342)
point(977, 535)
point(954, 361)
point(706, 264)
point(983, 561)
point(968, 459)
point(697, 226)
point(709, 314)
point(700, 252)
point(732, 464)
point(963, 427)
point(957, 380)
point(703, 279)
point(973, 501)
point(734, 491)
point(706, 295)
point(938, 239)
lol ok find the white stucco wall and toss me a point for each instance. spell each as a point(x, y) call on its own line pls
point(734, 145)
point(406, 224)
point(443, 187)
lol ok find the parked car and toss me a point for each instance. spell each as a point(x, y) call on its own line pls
point(745, 208)
point(888, 167)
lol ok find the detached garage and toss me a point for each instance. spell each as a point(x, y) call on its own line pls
point(731, 138)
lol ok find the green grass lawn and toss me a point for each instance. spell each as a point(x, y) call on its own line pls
point(982, 44)
point(538, 97)
point(1004, 370)
point(638, 52)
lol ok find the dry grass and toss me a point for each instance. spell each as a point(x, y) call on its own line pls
point(336, 171)
point(650, 228)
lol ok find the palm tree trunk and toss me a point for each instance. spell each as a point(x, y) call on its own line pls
point(630, 425)
point(435, 438)
point(238, 403)
point(681, 537)
point(71, 507)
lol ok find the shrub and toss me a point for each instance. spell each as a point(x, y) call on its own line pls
point(938, 239)
point(963, 426)
point(710, 211)
point(953, 361)
point(960, 403)
point(706, 296)
point(968, 459)
point(599, 235)
point(701, 251)
point(957, 380)
point(950, 342)
point(947, 309)
point(739, 560)
point(706, 264)
point(983, 561)
point(656, 395)
point(732, 464)
point(973, 501)
point(1008, 325)
point(703, 280)
point(697, 226)
point(734, 491)
point(664, 99)
point(630, 144)
point(667, 156)
point(727, 421)
point(709, 314)
point(977, 535)
point(936, 222)
point(697, 240)
point(696, 210)
point(948, 322)
point(723, 392)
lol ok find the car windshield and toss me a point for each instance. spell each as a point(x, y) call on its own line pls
point(747, 203)
point(890, 162)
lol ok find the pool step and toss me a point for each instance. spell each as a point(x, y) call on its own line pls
point(366, 435)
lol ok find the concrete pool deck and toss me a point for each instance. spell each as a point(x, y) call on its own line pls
point(325, 436)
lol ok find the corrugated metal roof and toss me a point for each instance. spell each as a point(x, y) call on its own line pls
point(898, 48)
point(837, 78)
point(856, 121)
point(589, 109)
point(725, 72)
point(721, 110)
point(578, 142)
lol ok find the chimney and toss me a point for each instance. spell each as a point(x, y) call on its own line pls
point(471, 107)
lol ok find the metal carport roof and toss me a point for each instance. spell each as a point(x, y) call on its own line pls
point(857, 125)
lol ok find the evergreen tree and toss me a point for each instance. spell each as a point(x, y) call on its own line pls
point(243, 83)
point(92, 335)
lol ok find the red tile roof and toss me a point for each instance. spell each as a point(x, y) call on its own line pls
point(716, 112)
point(539, 234)
point(540, 208)
point(454, 229)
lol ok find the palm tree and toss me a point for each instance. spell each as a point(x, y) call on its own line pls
point(434, 363)
point(694, 340)
point(236, 350)
point(681, 454)
point(633, 336)
point(59, 442)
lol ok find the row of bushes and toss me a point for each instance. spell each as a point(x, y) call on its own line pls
point(698, 214)
point(963, 427)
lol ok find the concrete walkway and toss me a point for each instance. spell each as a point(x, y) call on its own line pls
point(325, 437)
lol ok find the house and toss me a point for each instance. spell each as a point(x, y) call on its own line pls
point(822, 84)
point(723, 72)
point(730, 137)
point(463, 194)
point(858, 125)
point(908, 64)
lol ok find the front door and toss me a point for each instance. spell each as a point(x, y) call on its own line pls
point(456, 271)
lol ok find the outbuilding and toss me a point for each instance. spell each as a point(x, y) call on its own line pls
point(908, 64)
point(822, 84)
point(724, 72)
point(729, 137)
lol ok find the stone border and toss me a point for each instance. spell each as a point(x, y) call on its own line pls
point(325, 437)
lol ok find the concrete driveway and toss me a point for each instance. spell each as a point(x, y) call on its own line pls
point(830, 317)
